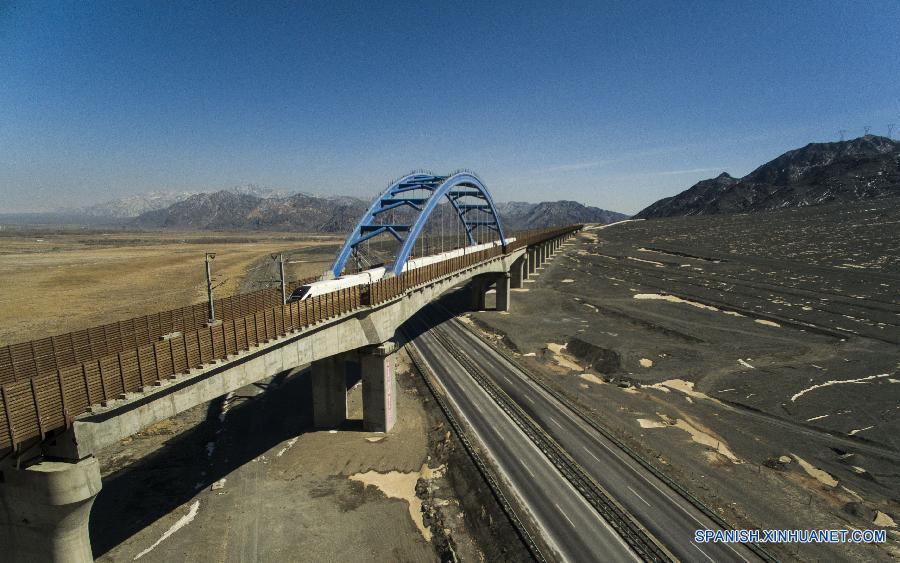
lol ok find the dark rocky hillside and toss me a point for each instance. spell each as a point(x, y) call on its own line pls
point(863, 168)
point(518, 215)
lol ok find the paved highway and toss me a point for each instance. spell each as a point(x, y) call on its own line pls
point(665, 514)
point(567, 523)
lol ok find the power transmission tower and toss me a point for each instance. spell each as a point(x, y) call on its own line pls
point(210, 256)
point(280, 259)
point(890, 130)
point(867, 128)
point(842, 132)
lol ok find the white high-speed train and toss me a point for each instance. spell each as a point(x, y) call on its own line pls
point(370, 276)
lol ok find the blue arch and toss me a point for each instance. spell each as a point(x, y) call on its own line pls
point(454, 188)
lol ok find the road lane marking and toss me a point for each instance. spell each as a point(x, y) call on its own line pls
point(703, 552)
point(529, 399)
point(528, 469)
point(637, 495)
point(651, 483)
point(507, 380)
point(556, 422)
point(590, 453)
point(564, 514)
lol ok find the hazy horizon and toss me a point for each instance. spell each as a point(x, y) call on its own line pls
point(614, 106)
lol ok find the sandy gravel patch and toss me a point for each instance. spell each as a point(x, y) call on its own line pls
point(707, 439)
point(647, 423)
point(590, 377)
point(686, 387)
point(395, 484)
point(816, 473)
point(562, 358)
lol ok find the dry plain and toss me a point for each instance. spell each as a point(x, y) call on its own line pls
point(59, 280)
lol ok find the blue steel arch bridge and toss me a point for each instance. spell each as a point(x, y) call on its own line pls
point(437, 212)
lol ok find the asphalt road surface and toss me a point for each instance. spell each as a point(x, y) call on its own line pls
point(568, 524)
point(665, 514)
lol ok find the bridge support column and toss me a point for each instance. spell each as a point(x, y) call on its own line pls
point(532, 261)
point(44, 510)
point(518, 273)
point(479, 288)
point(329, 389)
point(379, 388)
point(503, 283)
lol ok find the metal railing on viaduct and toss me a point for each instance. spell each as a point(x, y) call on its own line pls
point(46, 383)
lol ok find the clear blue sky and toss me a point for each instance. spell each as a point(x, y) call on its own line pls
point(613, 104)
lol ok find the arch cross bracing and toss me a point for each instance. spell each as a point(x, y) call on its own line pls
point(470, 199)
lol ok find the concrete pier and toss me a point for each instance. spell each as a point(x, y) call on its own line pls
point(503, 284)
point(329, 390)
point(44, 511)
point(519, 273)
point(379, 387)
point(479, 289)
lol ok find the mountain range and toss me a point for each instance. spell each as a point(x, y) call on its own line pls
point(230, 210)
point(862, 168)
point(135, 205)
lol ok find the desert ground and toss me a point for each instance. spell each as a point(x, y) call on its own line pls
point(754, 358)
point(59, 280)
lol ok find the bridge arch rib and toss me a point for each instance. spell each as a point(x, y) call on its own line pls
point(456, 188)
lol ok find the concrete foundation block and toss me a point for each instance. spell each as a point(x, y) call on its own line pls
point(44, 511)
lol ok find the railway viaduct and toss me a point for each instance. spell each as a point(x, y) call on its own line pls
point(53, 423)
